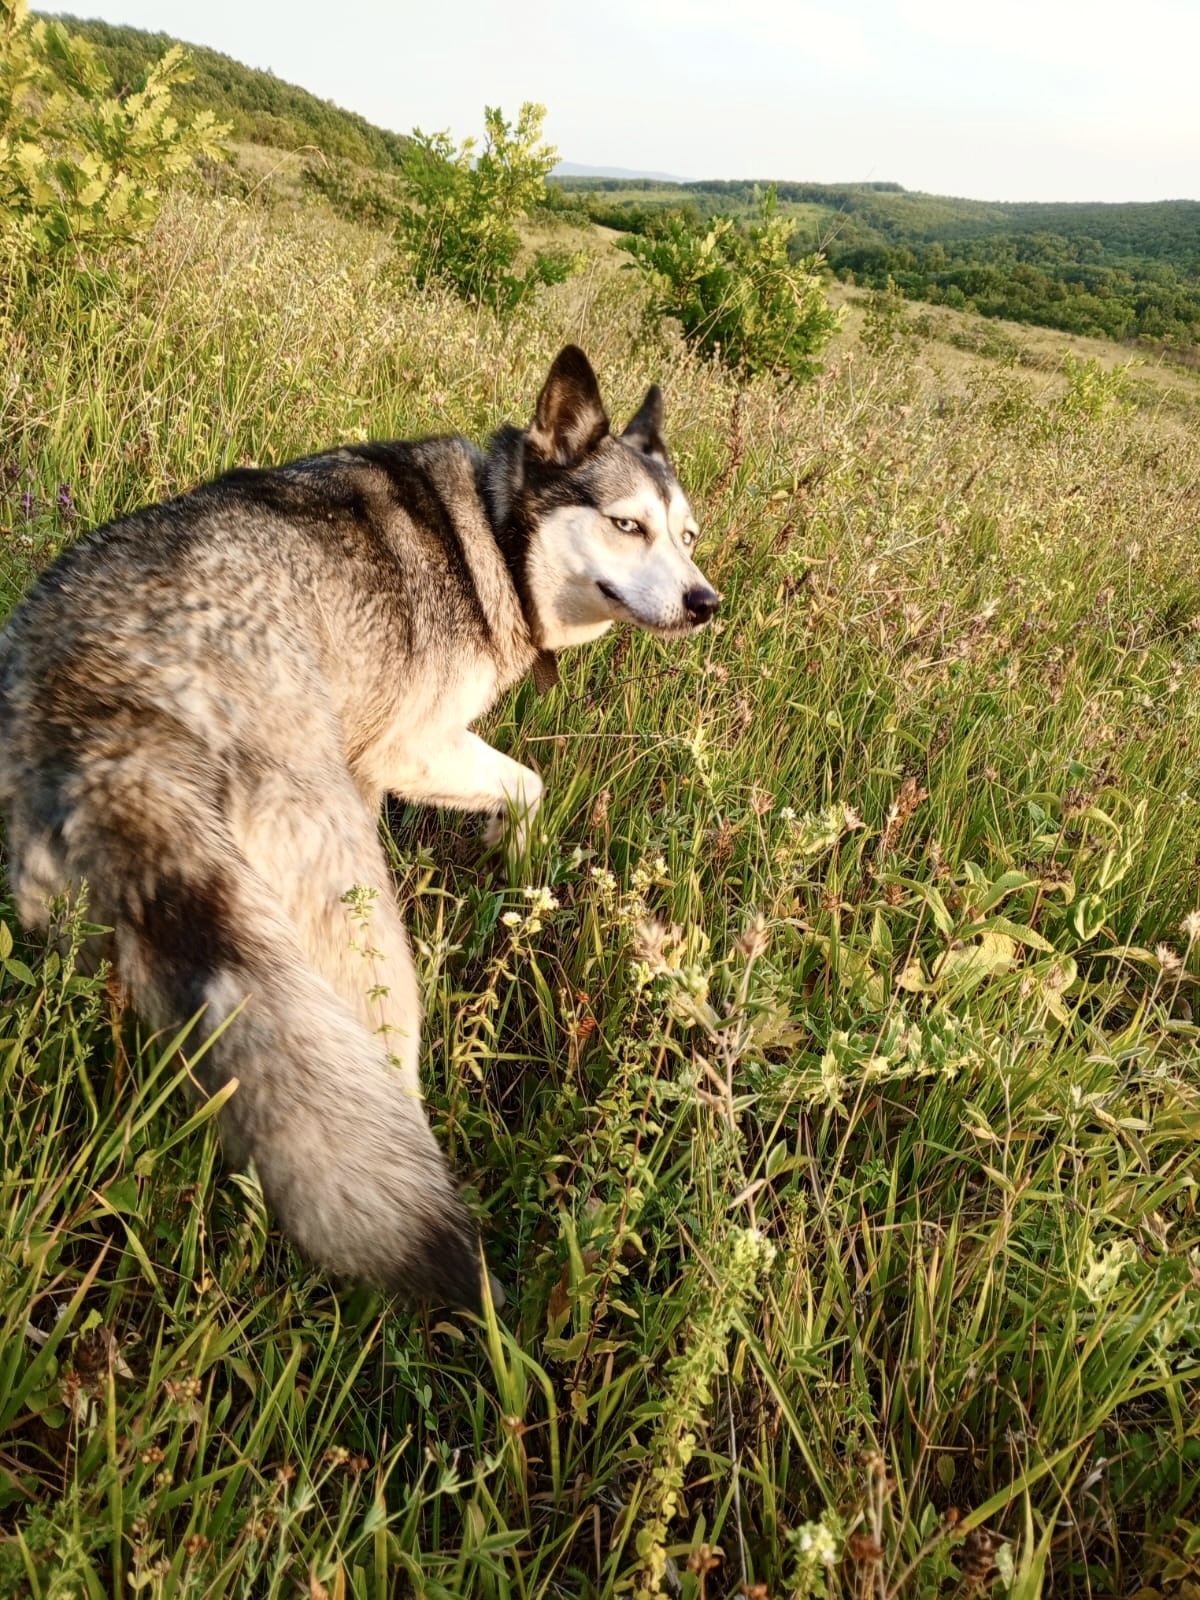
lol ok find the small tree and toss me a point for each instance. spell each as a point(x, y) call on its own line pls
point(79, 166)
point(736, 291)
point(885, 323)
point(460, 223)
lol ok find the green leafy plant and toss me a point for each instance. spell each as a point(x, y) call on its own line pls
point(737, 292)
point(80, 166)
point(460, 225)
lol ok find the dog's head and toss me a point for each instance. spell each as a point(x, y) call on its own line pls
point(607, 531)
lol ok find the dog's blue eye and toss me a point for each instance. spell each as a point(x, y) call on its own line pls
point(626, 524)
point(689, 536)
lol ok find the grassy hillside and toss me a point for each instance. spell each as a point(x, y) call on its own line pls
point(834, 1133)
point(262, 109)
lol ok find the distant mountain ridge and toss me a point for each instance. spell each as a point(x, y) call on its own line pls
point(576, 169)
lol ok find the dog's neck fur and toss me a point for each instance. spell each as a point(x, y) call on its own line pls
point(529, 551)
point(501, 480)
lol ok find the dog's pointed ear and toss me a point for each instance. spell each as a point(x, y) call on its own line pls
point(570, 418)
point(644, 431)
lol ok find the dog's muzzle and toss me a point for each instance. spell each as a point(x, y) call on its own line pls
point(701, 604)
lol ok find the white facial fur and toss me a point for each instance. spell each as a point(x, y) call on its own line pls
point(586, 573)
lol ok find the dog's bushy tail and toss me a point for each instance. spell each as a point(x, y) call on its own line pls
point(347, 1161)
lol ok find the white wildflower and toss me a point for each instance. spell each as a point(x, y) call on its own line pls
point(542, 901)
point(649, 873)
point(817, 1544)
point(605, 881)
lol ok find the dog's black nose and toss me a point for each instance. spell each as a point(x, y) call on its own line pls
point(700, 604)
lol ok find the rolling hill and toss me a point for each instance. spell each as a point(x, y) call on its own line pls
point(1119, 271)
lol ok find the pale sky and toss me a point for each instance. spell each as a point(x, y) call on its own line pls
point(1008, 100)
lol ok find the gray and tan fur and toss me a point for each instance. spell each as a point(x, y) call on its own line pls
point(202, 706)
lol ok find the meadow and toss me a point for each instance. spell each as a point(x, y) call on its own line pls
point(828, 1094)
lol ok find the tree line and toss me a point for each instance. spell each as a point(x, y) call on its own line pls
point(1046, 279)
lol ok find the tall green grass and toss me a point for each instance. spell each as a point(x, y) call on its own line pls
point(833, 1111)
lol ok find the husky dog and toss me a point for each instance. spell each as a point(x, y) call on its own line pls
point(202, 706)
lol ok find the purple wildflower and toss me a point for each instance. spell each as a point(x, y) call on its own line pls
point(63, 499)
point(28, 502)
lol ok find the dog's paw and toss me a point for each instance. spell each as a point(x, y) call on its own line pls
point(509, 827)
point(495, 829)
point(509, 836)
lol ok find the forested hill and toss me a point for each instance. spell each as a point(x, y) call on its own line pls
point(1123, 270)
point(262, 109)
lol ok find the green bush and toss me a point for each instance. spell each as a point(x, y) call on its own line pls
point(737, 293)
point(80, 166)
point(460, 225)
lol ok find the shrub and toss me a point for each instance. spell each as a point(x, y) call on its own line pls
point(78, 165)
point(460, 223)
point(1092, 393)
point(736, 292)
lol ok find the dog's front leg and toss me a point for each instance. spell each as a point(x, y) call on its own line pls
point(467, 774)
